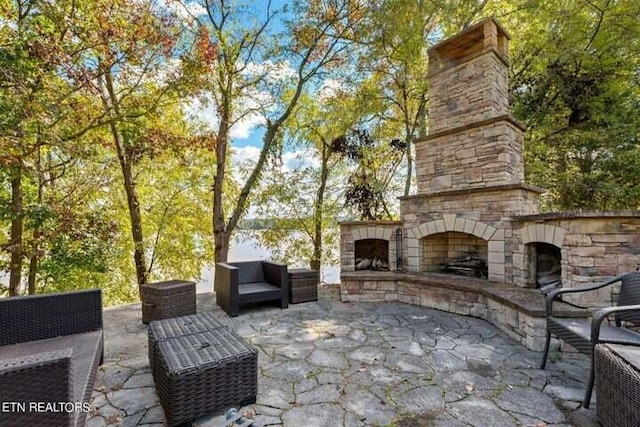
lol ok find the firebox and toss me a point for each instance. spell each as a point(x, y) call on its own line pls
point(545, 265)
point(455, 253)
point(371, 254)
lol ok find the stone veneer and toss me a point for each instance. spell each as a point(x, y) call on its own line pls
point(468, 76)
point(489, 152)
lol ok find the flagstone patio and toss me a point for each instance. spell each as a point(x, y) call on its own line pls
point(329, 363)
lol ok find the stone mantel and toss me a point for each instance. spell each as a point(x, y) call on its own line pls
point(373, 222)
point(624, 213)
point(475, 190)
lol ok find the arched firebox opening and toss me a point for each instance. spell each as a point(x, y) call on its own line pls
point(545, 265)
point(454, 252)
point(371, 254)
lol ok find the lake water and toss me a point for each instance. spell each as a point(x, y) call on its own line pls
point(248, 249)
point(242, 249)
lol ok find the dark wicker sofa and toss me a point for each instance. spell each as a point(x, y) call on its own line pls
point(50, 348)
point(238, 283)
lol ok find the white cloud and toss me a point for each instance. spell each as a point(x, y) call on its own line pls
point(275, 71)
point(203, 110)
point(186, 11)
point(240, 155)
point(243, 128)
point(291, 160)
point(300, 159)
point(330, 88)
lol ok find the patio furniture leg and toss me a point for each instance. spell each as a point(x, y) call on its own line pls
point(592, 374)
point(546, 351)
point(248, 401)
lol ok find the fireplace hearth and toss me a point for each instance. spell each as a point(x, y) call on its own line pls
point(470, 265)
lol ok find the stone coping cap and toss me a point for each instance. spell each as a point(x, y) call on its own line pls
point(621, 213)
point(382, 222)
point(508, 118)
point(462, 191)
point(471, 29)
point(527, 300)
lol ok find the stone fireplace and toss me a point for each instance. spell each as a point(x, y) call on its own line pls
point(473, 240)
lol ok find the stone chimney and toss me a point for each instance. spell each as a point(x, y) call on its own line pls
point(473, 141)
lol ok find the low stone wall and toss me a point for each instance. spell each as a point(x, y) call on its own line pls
point(516, 311)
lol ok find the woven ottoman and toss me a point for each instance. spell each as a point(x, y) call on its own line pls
point(303, 285)
point(161, 330)
point(200, 373)
point(618, 385)
point(172, 298)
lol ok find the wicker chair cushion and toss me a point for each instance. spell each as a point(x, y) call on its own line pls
point(256, 287)
point(577, 332)
point(249, 272)
point(85, 347)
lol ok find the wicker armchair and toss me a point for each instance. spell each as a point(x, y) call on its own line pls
point(238, 283)
point(584, 334)
point(50, 349)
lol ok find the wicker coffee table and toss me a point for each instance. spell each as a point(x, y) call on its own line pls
point(162, 330)
point(199, 373)
point(163, 300)
point(618, 385)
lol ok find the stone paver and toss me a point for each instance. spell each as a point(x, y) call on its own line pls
point(329, 363)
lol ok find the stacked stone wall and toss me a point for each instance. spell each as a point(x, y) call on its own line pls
point(482, 156)
point(492, 206)
point(473, 91)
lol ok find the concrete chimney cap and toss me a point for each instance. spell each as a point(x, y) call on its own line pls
point(472, 29)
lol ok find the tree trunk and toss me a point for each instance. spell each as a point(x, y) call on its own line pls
point(316, 261)
point(15, 277)
point(124, 157)
point(34, 256)
point(407, 183)
point(221, 233)
point(221, 252)
point(33, 264)
point(136, 222)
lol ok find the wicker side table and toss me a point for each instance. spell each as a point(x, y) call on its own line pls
point(199, 373)
point(160, 330)
point(618, 385)
point(303, 285)
point(172, 298)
